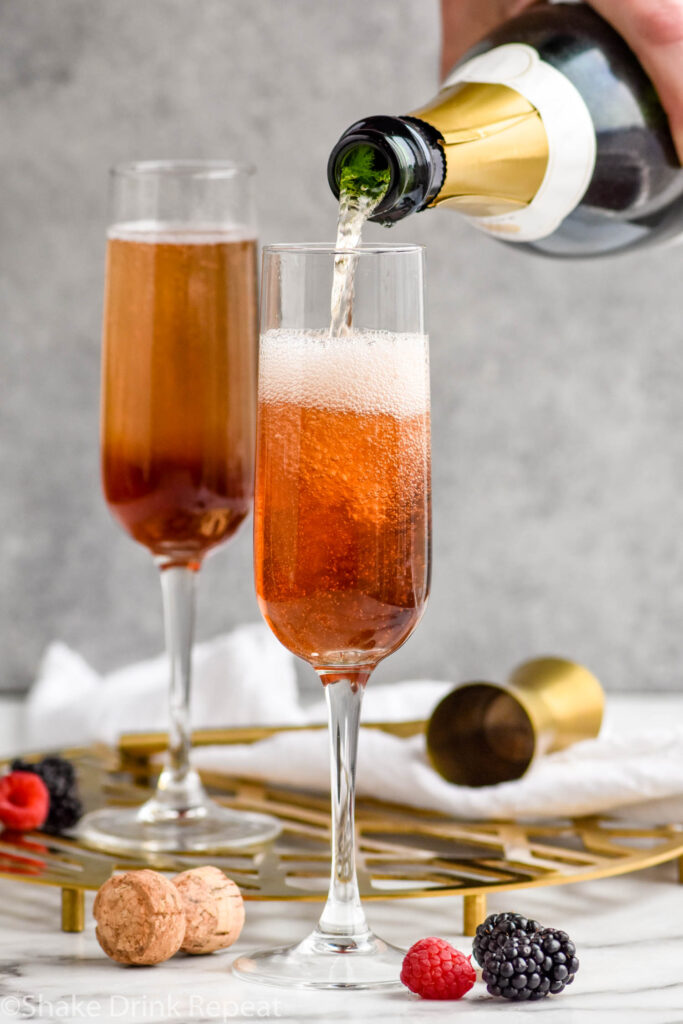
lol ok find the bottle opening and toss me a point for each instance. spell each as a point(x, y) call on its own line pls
point(362, 168)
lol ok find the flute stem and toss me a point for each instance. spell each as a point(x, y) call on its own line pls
point(343, 914)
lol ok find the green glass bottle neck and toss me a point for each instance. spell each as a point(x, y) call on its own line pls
point(408, 148)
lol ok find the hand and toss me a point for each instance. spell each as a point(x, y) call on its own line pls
point(652, 28)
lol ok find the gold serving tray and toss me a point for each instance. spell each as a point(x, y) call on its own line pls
point(401, 851)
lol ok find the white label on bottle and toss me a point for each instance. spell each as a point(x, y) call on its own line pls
point(569, 128)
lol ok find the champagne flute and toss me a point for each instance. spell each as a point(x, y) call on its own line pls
point(341, 532)
point(178, 397)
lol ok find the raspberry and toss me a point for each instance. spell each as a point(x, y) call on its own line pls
point(433, 969)
point(24, 801)
point(59, 776)
point(497, 929)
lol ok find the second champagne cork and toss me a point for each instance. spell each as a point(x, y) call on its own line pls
point(214, 909)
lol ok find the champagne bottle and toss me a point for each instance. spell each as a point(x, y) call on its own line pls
point(547, 134)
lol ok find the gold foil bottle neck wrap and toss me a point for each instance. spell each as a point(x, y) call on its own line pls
point(485, 733)
point(495, 147)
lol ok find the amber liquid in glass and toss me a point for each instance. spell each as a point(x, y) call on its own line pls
point(179, 386)
point(342, 505)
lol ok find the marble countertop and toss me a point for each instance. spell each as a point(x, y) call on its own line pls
point(629, 933)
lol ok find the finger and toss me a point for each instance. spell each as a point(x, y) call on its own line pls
point(465, 22)
point(654, 31)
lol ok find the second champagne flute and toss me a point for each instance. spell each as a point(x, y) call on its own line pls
point(178, 409)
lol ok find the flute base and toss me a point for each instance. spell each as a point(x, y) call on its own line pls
point(326, 962)
point(153, 828)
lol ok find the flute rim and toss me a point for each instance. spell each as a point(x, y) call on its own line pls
point(329, 249)
point(198, 169)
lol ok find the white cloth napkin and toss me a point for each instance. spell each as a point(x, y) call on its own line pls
point(247, 678)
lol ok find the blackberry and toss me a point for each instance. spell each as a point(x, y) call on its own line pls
point(560, 962)
point(59, 777)
point(514, 971)
point(497, 929)
point(531, 967)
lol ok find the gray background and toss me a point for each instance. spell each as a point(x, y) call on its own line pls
point(558, 448)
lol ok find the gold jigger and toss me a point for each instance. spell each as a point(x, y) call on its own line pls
point(484, 733)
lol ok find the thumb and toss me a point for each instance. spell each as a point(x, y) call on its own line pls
point(654, 31)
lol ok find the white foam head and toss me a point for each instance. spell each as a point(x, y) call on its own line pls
point(363, 371)
point(156, 232)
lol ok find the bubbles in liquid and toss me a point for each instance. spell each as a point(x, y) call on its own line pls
point(362, 371)
point(342, 508)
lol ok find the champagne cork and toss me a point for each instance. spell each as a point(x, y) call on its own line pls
point(140, 918)
point(214, 909)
